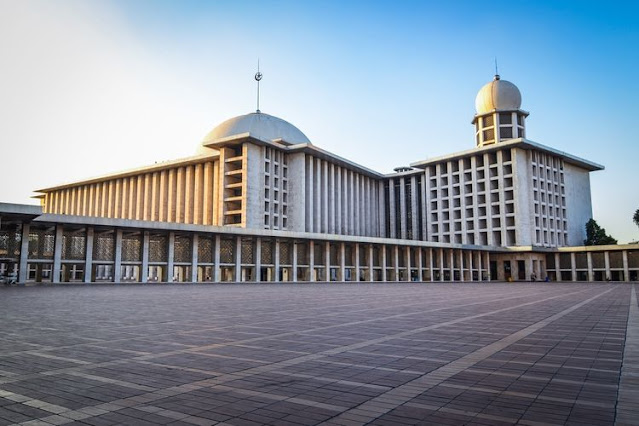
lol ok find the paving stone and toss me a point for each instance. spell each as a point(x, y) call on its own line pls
point(346, 354)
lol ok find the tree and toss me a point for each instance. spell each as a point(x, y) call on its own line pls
point(596, 235)
point(635, 218)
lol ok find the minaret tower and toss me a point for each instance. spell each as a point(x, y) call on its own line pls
point(499, 117)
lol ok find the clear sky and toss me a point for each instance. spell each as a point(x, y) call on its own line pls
point(91, 87)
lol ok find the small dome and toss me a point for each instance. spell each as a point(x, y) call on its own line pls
point(498, 95)
point(259, 125)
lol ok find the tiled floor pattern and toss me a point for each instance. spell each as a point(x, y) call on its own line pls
point(335, 354)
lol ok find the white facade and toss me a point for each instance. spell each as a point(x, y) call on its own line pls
point(261, 202)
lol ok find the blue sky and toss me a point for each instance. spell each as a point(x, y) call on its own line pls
point(90, 87)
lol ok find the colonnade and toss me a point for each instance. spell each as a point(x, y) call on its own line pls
point(99, 254)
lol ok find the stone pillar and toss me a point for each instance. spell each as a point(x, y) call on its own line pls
point(402, 209)
point(591, 276)
point(460, 253)
point(451, 264)
point(276, 260)
point(420, 265)
point(294, 255)
point(396, 262)
point(195, 238)
point(626, 272)
point(327, 260)
point(258, 259)
point(117, 264)
point(408, 263)
point(573, 267)
point(356, 263)
point(607, 260)
point(383, 263)
point(557, 267)
point(88, 259)
point(371, 263)
point(23, 267)
point(430, 264)
point(216, 259)
point(144, 273)
point(479, 268)
point(238, 259)
point(441, 264)
point(487, 265)
point(170, 258)
point(342, 262)
point(57, 254)
point(311, 260)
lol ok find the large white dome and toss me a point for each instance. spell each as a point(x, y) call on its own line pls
point(259, 125)
point(498, 95)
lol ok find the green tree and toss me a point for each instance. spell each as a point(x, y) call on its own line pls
point(635, 218)
point(596, 235)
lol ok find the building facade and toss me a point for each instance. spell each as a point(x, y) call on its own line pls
point(260, 202)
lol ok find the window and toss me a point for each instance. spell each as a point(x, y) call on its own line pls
point(489, 135)
point(505, 118)
point(506, 132)
point(487, 120)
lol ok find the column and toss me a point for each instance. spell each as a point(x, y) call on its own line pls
point(413, 207)
point(407, 262)
point(461, 265)
point(451, 264)
point(294, 254)
point(591, 276)
point(258, 259)
point(391, 208)
point(396, 262)
point(356, 263)
point(403, 217)
point(194, 255)
point(276, 260)
point(238, 259)
point(371, 263)
point(170, 256)
point(88, 260)
point(117, 264)
point(342, 262)
point(216, 260)
point(420, 265)
point(441, 264)
point(558, 267)
point(573, 267)
point(327, 260)
point(487, 264)
point(479, 267)
point(311, 261)
point(626, 272)
point(383, 249)
point(430, 264)
point(57, 254)
point(144, 273)
point(23, 267)
point(607, 260)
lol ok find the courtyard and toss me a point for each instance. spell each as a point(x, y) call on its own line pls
point(305, 354)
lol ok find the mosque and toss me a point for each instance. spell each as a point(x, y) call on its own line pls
point(260, 202)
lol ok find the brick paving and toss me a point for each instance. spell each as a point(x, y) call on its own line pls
point(333, 354)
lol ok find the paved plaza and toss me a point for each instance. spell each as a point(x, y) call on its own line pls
point(306, 354)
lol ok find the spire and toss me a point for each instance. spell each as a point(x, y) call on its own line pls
point(496, 70)
point(258, 77)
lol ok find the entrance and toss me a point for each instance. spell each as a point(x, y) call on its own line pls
point(493, 269)
point(507, 272)
point(521, 270)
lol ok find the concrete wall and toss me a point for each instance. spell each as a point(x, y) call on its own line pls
point(578, 203)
